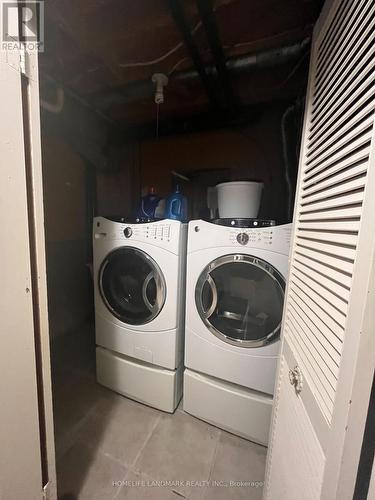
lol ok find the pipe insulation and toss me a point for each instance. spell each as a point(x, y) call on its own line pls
point(257, 60)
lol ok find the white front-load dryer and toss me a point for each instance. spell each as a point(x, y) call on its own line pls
point(139, 272)
point(234, 302)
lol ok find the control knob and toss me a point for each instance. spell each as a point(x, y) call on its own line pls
point(128, 232)
point(243, 238)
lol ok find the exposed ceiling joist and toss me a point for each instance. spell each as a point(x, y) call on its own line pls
point(183, 26)
point(106, 55)
point(208, 19)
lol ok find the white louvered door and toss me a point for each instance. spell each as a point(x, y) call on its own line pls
point(327, 300)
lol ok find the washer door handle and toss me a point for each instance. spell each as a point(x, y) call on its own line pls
point(146, 282)
point(210, 310)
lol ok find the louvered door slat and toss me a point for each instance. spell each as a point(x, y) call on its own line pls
point(321, 286)
point(359, 86)
point(337, 199)
point(339, 74)
point(341, 183)
point(322, 268)
point(334, 214)
point(348, 239)
point(341, 126)
point(325, 280)
point(318, 389)
point(319, 295)
point(357, 132)
point(314, 349)
point(362, 91)
point(363, 141)
point(340, 225)
point(329, 285)
point(339, 22)
point(308, 309)
point(330, 249)
point(332, 329)
point(318, 343)
point(308, 247)
point(358, 157)
point(348, 50)
point(353, 51)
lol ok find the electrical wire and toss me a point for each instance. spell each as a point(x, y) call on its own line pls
point(161, 58)
point(293, 71)
point(177, 65)
point(164, 56)
point(307, 27)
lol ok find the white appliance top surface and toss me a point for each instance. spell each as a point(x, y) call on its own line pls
point(204, 235)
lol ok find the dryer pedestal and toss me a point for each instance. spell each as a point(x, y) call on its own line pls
point(231, 407)
point(148, 384)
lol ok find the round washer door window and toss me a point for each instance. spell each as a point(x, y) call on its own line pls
point(240, 299)
point(132, 286)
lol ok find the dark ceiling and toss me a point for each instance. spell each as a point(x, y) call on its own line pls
point(106, 51)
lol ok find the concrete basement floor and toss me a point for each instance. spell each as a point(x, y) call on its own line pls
point(109, 447)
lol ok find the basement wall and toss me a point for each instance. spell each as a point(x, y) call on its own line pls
point(254, 153)
point(68, 276)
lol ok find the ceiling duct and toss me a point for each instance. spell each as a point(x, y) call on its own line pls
point(254, 61)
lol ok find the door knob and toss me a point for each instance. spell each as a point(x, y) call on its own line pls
point(296, 379)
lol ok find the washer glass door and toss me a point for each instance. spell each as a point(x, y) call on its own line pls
point(240, 299)
point(132, 285)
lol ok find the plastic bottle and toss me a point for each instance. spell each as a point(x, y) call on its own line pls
point(176, 206)
point(148, 204)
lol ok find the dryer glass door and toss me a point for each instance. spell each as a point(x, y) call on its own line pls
point(132, 286)
point(240, 299)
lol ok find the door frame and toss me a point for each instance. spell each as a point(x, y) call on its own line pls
point(28, 395)
point(38, 256)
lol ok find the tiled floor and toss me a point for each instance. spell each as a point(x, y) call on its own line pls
point(109, 447)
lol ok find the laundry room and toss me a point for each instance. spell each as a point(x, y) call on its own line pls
point(171, 136)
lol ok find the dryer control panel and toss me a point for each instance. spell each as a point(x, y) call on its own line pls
point(204, 235)
point(250, 236)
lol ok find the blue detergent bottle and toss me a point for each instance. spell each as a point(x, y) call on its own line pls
point(176, 206)
point(148, 204)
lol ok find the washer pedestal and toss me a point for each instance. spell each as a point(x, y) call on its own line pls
point(148, 384)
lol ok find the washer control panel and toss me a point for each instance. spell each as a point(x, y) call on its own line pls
point(157, 231)
point(160, 232)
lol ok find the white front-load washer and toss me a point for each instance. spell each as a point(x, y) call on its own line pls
point(139, 273)
point(234, 302)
